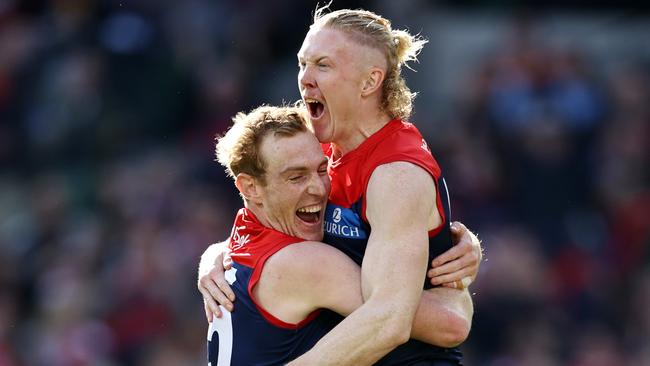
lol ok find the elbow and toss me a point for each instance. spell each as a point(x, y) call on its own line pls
point(456, 332)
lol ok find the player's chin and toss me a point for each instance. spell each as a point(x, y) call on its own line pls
point(322, 130)
point(312, 231)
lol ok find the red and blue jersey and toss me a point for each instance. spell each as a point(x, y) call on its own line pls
point(346, 225)
point(250, 335)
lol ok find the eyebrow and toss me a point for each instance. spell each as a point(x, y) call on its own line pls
point(319, 59)
point(293, 169)
point(300, 168)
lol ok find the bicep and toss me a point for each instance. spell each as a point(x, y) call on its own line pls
point(336, 281)
point(396, 256)
point(317, 275)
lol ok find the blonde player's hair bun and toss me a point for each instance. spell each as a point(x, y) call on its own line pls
point(407, 46)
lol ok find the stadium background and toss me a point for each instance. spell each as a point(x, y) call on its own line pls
point(109, 192)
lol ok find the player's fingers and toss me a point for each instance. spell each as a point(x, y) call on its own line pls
point(208, 312)
point(223, 285)
point(203, 283)
point(462, 236)
point(213, 307)
point(218, 259)
point(469, 238)
point(210, 305)
point(450, 255)
point(455, 279)
point(221, 294)
point(227, 261)
point(217, 276)
point(449, 272)
point(214, 293)
point(455, 252)
point(448, 284)
point(458, 229)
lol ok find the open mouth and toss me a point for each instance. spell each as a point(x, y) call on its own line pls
point(310, 215)
point(316, 108)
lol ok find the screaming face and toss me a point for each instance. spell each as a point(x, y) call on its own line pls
point(296, 187)
point(330, 81)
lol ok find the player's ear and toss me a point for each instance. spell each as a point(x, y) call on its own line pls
point(248, 187)
point(373, 81)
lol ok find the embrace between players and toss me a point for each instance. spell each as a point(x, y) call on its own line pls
point(378, 192)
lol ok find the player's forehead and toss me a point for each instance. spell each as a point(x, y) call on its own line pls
point(324, 42)
point(301, 150)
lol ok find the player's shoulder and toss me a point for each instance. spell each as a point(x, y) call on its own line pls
point(406, 132)
point(306, 260)
point(402, 140)
point(406, 180)
point(303, 253)
point(399, 171)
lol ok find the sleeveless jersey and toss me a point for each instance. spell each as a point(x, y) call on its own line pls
point(347, 228)
point(250, 335)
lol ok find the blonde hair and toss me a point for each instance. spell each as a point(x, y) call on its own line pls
point(399, 47)
point(238, 149)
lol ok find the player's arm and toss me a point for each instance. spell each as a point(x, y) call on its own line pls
point(310, 275)
point(307, 276)
point(211, 281)
point(394, 265)
point(444, 317)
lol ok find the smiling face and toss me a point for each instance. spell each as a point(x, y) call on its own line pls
point(296, 188)
point(331, 79)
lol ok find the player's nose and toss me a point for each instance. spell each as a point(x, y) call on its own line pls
point(306, 78)
point(316, 186)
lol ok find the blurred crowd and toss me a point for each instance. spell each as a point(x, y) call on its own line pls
point(109, 191)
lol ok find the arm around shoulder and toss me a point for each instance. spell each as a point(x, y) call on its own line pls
point(210, 255)
point(393, 269)
point(307, 276)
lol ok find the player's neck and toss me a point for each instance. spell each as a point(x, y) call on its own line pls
point(363, 126)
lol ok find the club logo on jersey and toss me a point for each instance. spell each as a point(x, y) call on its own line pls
point(424, 145)
point(239, 240)
point(336, 216)
point(344, 223)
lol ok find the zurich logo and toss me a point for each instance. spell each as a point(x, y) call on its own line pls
point(336, 215)
point(343, 222)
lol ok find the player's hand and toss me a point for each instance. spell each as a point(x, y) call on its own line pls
point(457, 267)
point(214, 288)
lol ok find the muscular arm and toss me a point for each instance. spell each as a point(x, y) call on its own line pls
point(392, 271)
point(444, 317)
point(306, 276)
